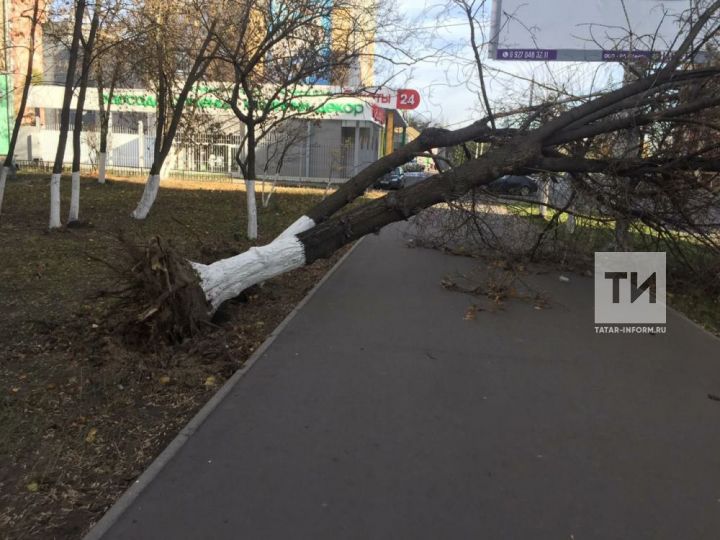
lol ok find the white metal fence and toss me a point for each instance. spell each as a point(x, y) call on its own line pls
point(202, 156)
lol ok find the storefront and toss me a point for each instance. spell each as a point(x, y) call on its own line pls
point(321, 137)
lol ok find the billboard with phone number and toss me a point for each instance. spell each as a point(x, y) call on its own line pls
point(595, 31)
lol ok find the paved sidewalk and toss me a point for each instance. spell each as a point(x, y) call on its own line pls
point(380, 413)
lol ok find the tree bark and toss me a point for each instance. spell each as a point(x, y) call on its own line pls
point(65, 118)
point(8, 164)
point(250, 177)
point(225, 279)
point(74, 213)
point(104, 113)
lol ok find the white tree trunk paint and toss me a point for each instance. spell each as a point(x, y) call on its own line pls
point(3, 178)
point(74, 213)
point(302, 224)
point(252, 226)
point(102, 162)
point(55, 201)
point(227, 278)
point(148, 197)
point(167, 164)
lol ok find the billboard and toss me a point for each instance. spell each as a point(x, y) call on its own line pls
point(588, 30)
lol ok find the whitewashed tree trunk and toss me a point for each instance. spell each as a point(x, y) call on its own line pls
point(167, 164)
point(3, 178)
point(252, 226)
point(102, 164)
point(74, 213)
point(302, 224)
point(55, 201)
point(148, 197)
point(225, 279)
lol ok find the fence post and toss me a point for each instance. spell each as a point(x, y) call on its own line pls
point(108, 150)
point(356, 149)
point(307, 149)
point(141, 145)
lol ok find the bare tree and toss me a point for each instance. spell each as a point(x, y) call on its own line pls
point(273, 52)
point(111, 66)
point(177, 60)
point(78, 15)
point(35, 18)
point(88, 46)
point(109, 84)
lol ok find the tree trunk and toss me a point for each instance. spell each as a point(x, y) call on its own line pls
point(164, 138)
point(152, 186)
point(356, 186)
point(9, 158)
point(3, 179)
point(102, 164)
point(65, 118)
point(252, 226)
point(74, 213)
point(104, 112)
point(300, 245)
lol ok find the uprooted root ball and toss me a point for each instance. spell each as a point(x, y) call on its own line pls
point(163, 298)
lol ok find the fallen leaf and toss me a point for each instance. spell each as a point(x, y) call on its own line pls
point(210, 381)
point(33, 487)
point(164, 379)
point(471, 313)
point(90, 437)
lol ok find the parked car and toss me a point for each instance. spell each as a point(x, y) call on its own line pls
point(514, 185)
point(395, 179)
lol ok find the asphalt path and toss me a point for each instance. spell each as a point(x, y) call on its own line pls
point(381, 411)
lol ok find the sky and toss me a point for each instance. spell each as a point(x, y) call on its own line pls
point(447, 80)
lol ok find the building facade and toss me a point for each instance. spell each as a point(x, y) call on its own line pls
point(17, 26)
point(340, 135)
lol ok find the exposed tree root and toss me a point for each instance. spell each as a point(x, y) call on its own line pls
point(163, 300)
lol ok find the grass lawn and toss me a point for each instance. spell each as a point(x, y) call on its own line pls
point(692, 280)
point(82, 414)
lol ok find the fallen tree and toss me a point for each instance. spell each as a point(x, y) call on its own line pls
point(178, 296)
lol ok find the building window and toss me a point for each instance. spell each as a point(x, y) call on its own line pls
point(365, 138)
point(348, 136)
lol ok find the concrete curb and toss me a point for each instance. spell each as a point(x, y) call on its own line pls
point(133, 492)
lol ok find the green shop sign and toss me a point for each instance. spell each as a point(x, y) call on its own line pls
point(136, 100)
point(211, 102)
